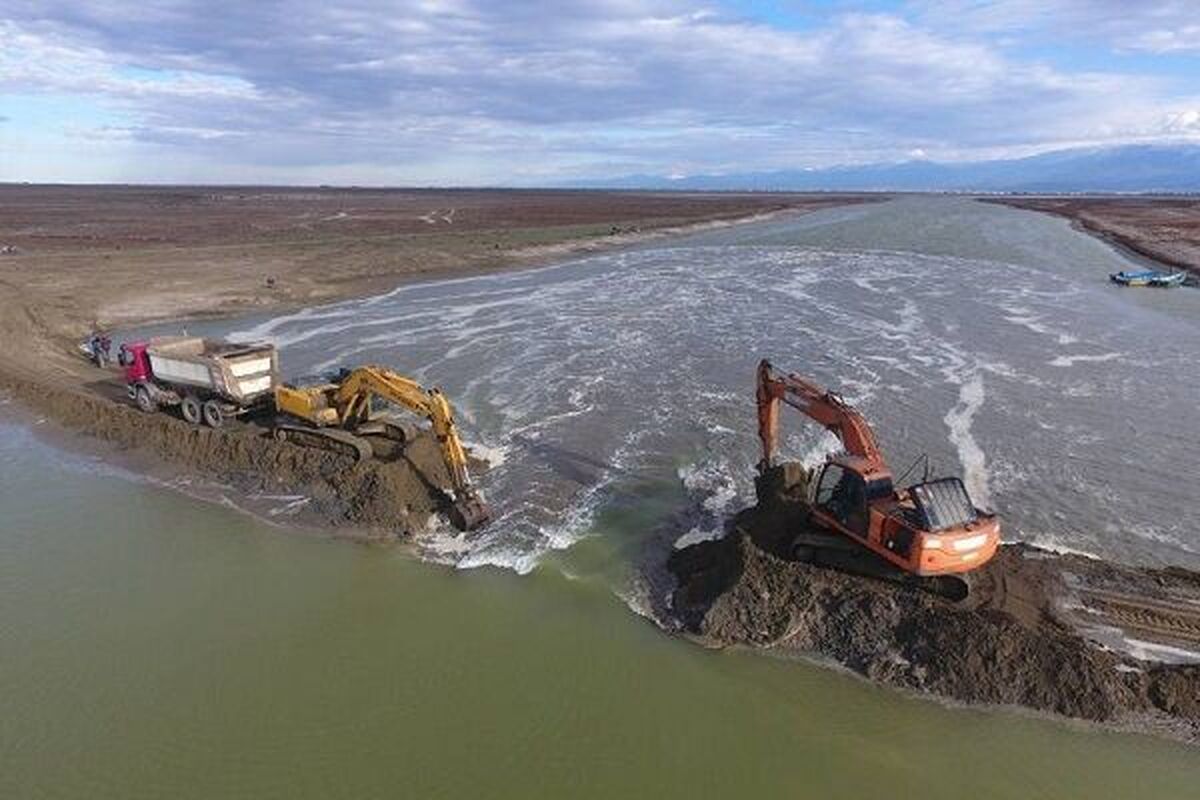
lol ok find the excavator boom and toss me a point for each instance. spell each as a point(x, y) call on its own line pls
point(353, 399)
point(346, 404)
point(823, 406)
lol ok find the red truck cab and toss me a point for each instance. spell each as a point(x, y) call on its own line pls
point(133, 358)
point(138, 375)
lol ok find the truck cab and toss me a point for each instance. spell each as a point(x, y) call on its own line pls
point(132, 356)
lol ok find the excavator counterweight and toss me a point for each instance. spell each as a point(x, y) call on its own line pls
point(338, 416)
point(930, 528)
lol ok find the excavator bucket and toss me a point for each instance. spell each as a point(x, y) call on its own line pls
point(468, 512)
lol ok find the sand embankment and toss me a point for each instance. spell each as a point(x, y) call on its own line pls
point(1057, 633)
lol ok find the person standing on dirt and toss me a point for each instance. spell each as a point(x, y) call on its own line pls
point(101, 348)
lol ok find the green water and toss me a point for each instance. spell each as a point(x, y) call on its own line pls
point(152, 645)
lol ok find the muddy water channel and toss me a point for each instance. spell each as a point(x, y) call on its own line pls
point(154, 644)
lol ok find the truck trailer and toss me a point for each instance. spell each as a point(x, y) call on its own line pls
point(209, 380)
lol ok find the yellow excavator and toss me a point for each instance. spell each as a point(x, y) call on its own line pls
point(340, 416)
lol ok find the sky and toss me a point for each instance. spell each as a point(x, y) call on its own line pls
point(472, 92)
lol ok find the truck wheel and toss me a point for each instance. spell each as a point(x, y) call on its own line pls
point(189, 407)
point(213, 416)
point(145, 401)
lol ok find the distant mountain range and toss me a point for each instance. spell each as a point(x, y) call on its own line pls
point(1128, 168)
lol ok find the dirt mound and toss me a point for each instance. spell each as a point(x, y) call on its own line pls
point(1023, 637)
point(377, 498)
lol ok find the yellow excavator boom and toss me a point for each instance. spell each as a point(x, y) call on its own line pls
point(346, 404)
point(353, 401)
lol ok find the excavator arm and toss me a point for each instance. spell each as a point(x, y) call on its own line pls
point(821, 405)
point(353, 402)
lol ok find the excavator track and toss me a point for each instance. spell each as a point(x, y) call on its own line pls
point(1156, 619)
point(331, 440)
point(835, 552)
point(396, 430)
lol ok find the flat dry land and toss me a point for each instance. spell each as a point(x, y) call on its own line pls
point(1163, 229)
point(74, 258)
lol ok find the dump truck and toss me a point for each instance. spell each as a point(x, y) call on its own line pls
point(208, 380)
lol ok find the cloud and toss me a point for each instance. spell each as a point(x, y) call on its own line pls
point(469, 91)
point(1156, 26)
point(1169, 40)
point(1186, 121)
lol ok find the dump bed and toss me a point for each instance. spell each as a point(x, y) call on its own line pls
point(240, 373)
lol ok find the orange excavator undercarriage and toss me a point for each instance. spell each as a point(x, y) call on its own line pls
point(924, 530)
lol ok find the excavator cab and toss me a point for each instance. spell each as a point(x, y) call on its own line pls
point(841, 493)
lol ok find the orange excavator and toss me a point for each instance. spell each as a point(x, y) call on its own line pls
point(931, 528)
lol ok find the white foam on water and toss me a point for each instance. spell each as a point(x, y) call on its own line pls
point(492, 455)
point(971, 397)
point(1153, 651)
point(548, 372)
point(826, 445)
point(1052, 543)
point(697, 535)
point(1154, 533)
point(1030, 321)
point(1115, 639)
point(291, 507)
point(263, 330)
point(1067, 361)
point(712, 486)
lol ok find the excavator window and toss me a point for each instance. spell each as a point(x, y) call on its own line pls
point(842, 494)
point(943, 503)
point(830, 479)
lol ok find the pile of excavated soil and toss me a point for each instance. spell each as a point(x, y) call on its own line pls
point(1031, 633)
point(377, 499)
